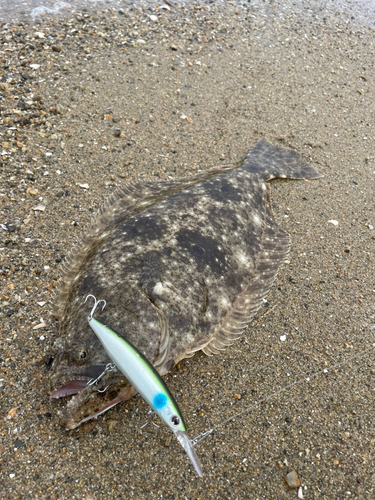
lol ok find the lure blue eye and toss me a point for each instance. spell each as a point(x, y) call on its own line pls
point(160, 400)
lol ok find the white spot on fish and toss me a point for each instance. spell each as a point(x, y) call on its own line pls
point(257, 220)
point(225, 302)
point(242, 258)
point(160, 288)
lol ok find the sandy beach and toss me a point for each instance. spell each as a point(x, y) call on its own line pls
point(94, 100)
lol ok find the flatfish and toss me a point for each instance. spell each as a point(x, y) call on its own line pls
point(183, 266)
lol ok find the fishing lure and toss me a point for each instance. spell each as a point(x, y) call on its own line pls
point(143, 376)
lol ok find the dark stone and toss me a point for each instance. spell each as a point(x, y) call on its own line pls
point(23, 121)
point(18, 443)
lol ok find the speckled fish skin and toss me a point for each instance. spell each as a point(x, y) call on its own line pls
point(183, 266)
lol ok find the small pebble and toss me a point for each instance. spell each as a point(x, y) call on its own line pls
point(40, 325)
point(89, 426)
point(167, 441)
point(118, 132)
point(292, 479)
point(111, 424)
point(39, 208)
point(334, 222)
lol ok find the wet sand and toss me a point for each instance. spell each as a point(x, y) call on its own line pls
point(91, 103)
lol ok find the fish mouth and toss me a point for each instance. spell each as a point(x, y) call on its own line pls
point(127, 393)
point(72, 387)
point(77, 382)
point(89, 400)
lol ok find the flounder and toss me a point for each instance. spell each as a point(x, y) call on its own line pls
point(183, 266)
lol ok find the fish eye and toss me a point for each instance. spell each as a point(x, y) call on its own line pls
point(79, 356)
point(175, 420)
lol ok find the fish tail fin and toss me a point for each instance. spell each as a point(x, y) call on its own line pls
point(272, 162)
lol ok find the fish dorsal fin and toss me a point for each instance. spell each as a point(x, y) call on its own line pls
point(120, 206)
point(275, 248)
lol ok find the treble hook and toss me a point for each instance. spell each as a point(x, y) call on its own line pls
point(104, 389)
point(97, 302)
point(109, 368)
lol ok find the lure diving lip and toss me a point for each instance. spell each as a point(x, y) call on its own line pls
point(143, 376)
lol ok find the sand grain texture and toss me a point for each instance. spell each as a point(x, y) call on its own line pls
point(91, 103)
